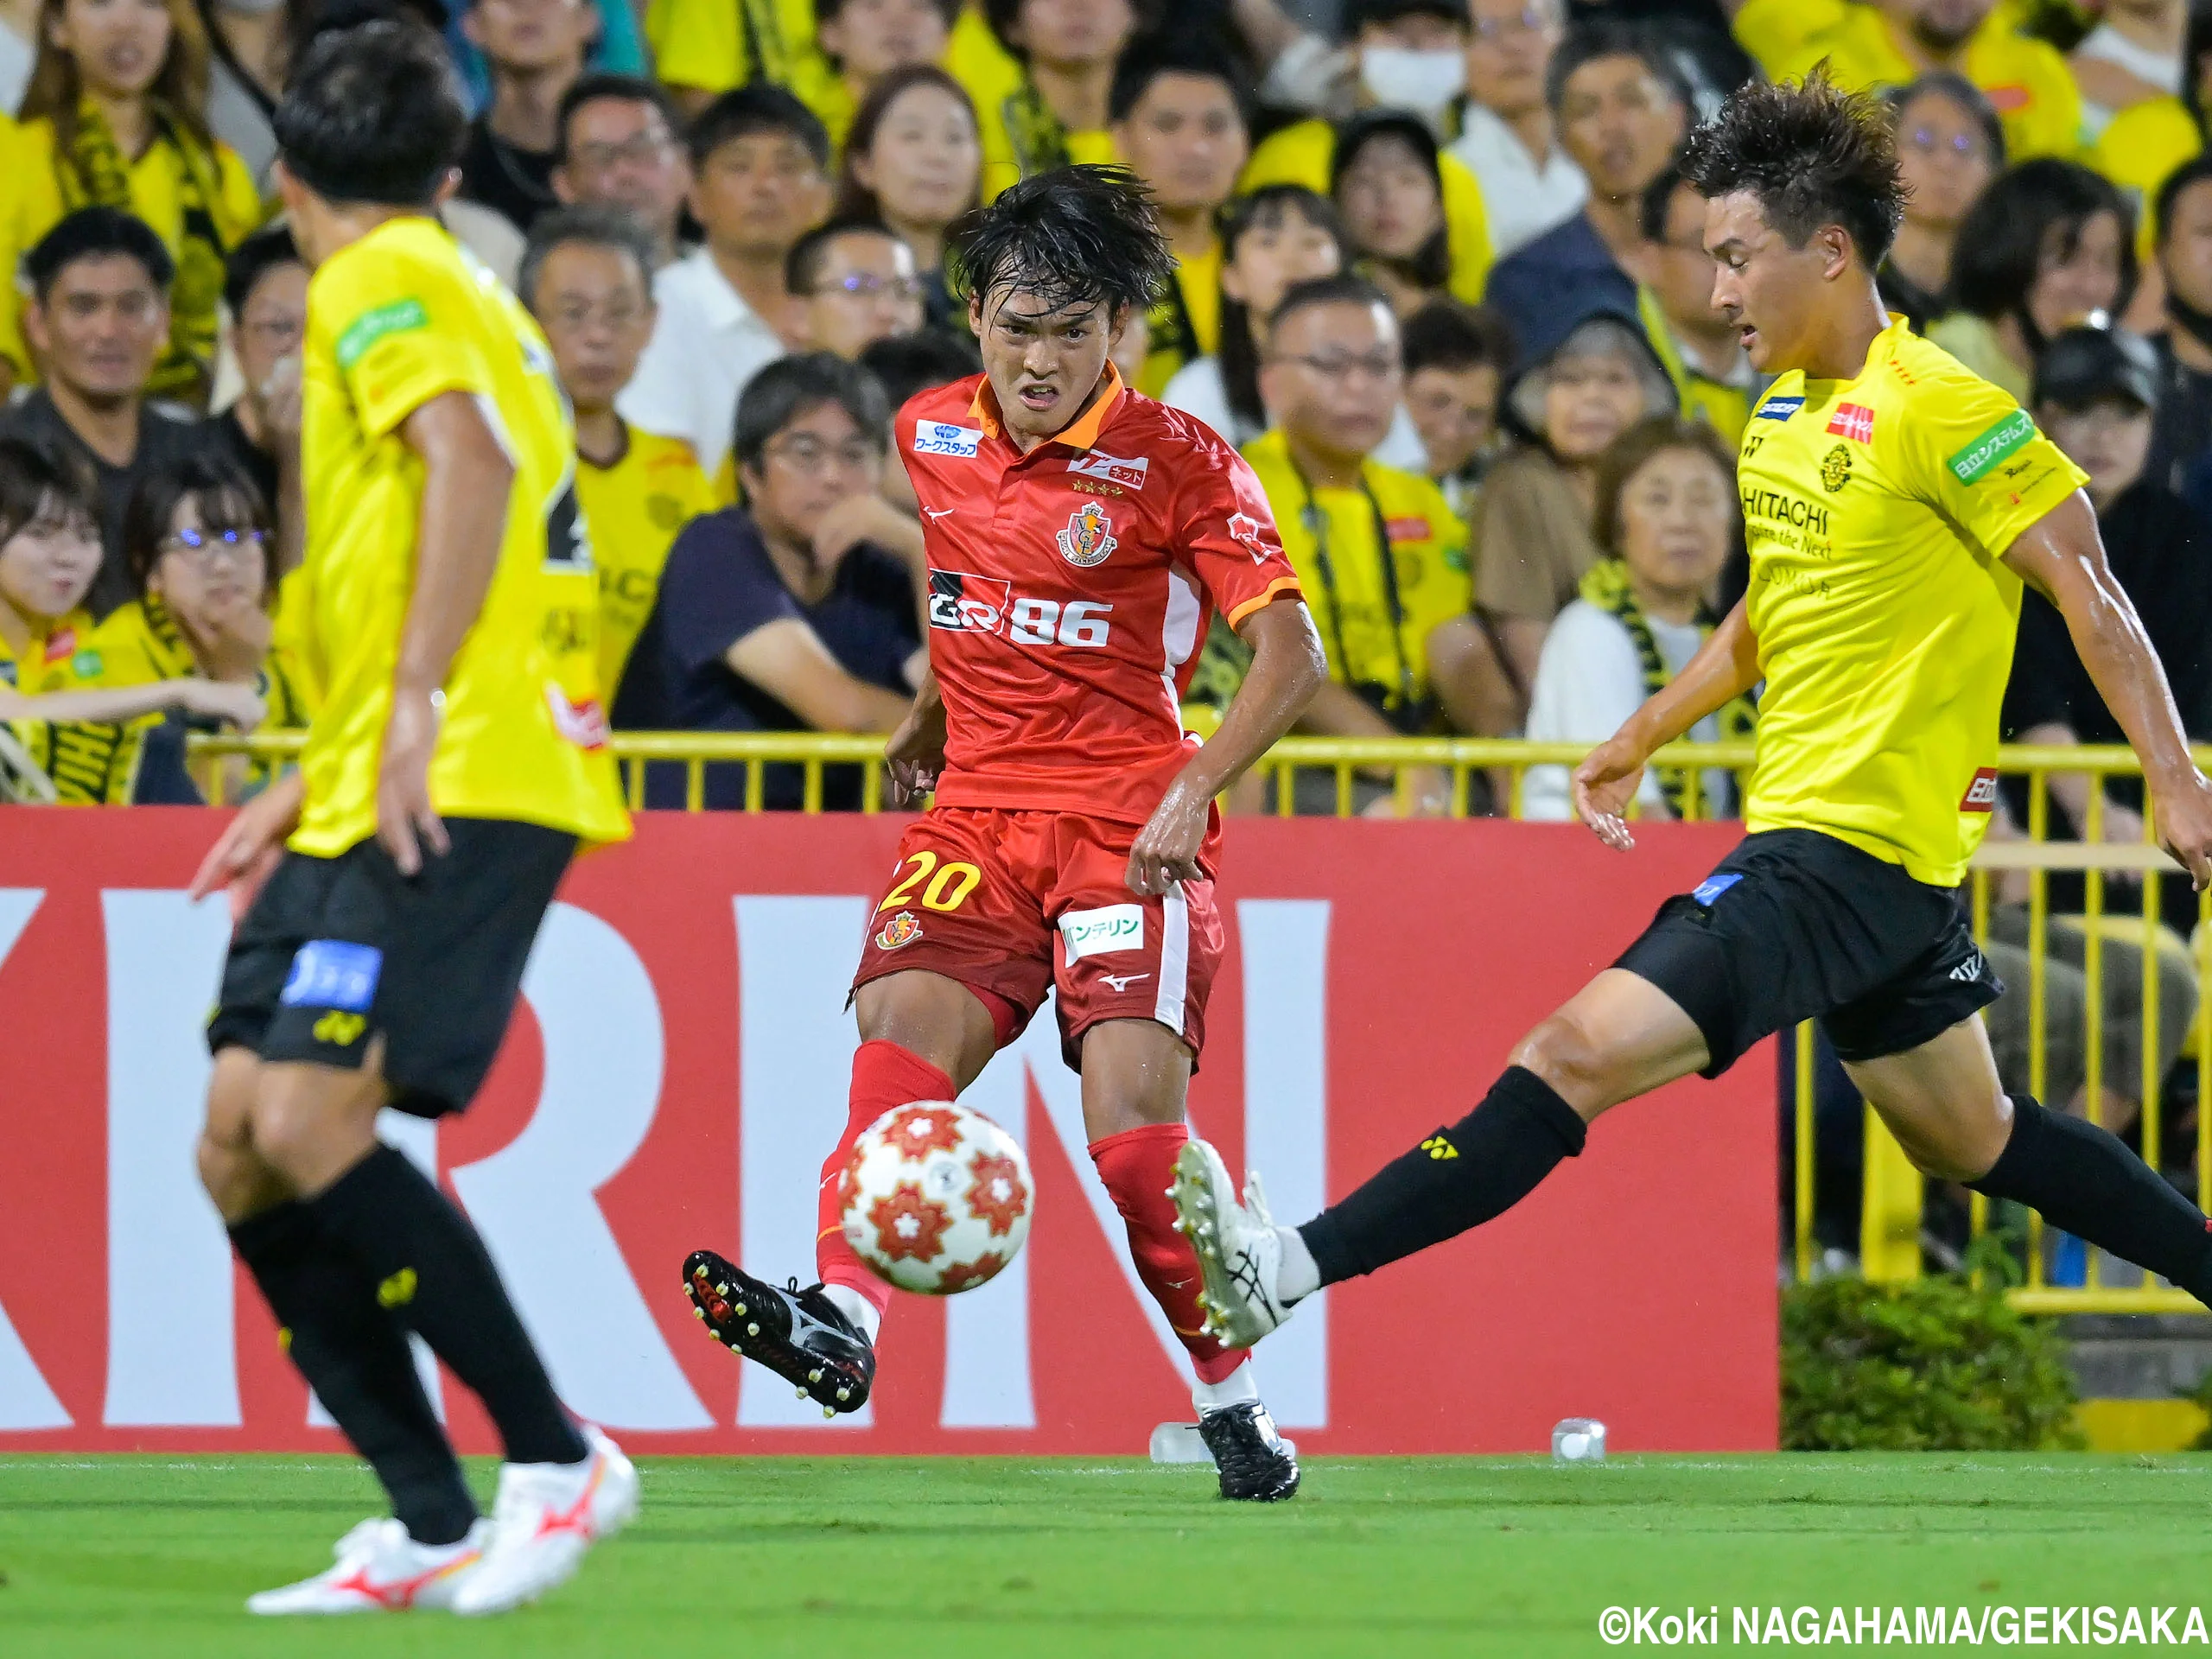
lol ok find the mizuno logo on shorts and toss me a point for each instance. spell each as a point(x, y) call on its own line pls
point(333, 974)
point(1982, 794)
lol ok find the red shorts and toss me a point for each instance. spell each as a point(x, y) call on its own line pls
point(981, 893)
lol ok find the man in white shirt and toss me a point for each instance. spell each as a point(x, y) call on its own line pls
point(1506, 137)
point(759, 167)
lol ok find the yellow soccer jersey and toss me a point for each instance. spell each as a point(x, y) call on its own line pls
point(2027, 79)
point(635, 509)
point(1877, 511)
point(394, 320)
point(141, 643)
point(1329, 536)
point(2139, 151)
point(91, 762)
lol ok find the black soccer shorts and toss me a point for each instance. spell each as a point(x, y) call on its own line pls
point(337, 951)
point(1794, 925)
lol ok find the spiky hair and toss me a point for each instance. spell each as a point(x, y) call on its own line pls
point(1074, 237)
point(1812, 153)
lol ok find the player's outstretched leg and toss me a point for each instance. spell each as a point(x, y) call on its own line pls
point(1619, 1037)
point(800, 1335)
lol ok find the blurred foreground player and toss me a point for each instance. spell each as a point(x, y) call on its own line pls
point(1078, 537)
point(445, 786)
point(1894, 504)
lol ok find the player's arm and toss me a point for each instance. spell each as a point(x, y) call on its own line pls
point(466, 480)
point(916, 751)
point(1287, 669)
point(2061, 556)
point(1725, 667)
point(786, 658)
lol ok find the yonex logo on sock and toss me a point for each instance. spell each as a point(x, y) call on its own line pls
point(1439, 1149)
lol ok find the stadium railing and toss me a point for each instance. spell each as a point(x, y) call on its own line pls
point(1893, 1193)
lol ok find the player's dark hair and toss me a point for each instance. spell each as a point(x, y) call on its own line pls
point(612, 88)
point(2185, 177)
point(855, 200)
point(1610, 38)
point(1342, 289)
point(1430, 265)
point(790, 387)
point(593, 226)
point(1447, 335)
point(1237, 355)
point(1812, 154)
point(907, 365)
point(1143, 61)
point(226, 498)
point(1075, 237)
point(2031, 211)
point(1625, 457)
point(253, 259)
point(759, 107)
point(41, 479)
point(373, 115)
point(803, 264)
point(96, 233)
point(1357, 14)
point(1002, 16)
point(1959, 90)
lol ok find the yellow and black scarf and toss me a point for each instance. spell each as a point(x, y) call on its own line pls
point(1606, 586)
point(97, 175)
point(1040, 142)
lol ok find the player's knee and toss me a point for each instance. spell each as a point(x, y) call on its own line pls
point(309, 1124)
point(1565, 1054)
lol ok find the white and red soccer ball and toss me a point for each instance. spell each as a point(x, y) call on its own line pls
point(936, 1199)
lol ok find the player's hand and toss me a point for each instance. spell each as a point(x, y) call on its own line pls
point(1166, 850)
point(1604, 784)
point(225, 700)
point(250, 846)
point(915, 755)
point(406, 822)
point(2182, 809)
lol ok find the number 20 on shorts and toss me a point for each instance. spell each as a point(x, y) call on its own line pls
point(947, 888)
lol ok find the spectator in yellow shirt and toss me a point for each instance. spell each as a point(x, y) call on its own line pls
point(586, 277)
point(1872, 44)
point(1054, 109)
point(2142, 147)
point(113, 119)
point(913, 161)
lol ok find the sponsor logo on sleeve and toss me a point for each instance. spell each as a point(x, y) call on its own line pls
point(942, 438)
point(583, 724)
point(1089, 537)
point(1974, 462)
point(1244, 530)
point(333, 974)
point(365, 330)
point(1101, 932)
point(1853, 421)
point(1982, 794)
point(1780, 409)
point(1130, 474)
point(1712, 888)
point(965, 604)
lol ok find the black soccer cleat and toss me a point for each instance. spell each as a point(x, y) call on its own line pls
point(1255, 1466)
point(798, 1334)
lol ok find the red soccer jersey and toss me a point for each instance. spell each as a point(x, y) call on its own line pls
point(1070, 588)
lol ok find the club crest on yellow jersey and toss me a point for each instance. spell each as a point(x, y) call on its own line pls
point(1835, 470)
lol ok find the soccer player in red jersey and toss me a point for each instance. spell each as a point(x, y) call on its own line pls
point(1079, 537)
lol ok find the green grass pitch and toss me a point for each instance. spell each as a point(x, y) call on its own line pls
point(151, 1557)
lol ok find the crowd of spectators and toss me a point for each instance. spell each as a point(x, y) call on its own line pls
point(1438, 276)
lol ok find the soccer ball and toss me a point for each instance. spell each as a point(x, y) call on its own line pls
point(936, 1197)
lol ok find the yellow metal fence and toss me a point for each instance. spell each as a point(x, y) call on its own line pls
point(1474, 772)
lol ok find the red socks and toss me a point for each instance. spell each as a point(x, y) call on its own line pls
point(885, 1076)
point(1138, 1166)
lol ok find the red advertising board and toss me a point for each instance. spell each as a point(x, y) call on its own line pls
point(679, 1067)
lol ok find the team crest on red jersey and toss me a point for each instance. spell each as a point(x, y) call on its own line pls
point(901, 930)
point(1089, 537)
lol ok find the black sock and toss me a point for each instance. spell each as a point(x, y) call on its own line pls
point(432, 1273)
point(1458, 1178)
point(358, 1363)
point(2084, 1179)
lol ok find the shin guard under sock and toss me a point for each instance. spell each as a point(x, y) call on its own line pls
point(1458, 1178)
point(359, 1363)
point(1138, 1166)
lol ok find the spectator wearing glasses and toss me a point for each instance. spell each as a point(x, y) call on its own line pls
point(534, 51)
point(913, 162)
point(758, 184)
point(1703, 355)
point(265, 290)
point(2182, 436)
point(1507, 136)
point(615, 145)
point(775, 616)
point(857, 284)
point(1950, 145)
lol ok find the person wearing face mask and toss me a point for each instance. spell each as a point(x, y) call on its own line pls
point(1667, 522)
point(2049, 245)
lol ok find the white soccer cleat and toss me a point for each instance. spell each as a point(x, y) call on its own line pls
point(548, 1514)
point(1240, 1253)
point(379, 1569)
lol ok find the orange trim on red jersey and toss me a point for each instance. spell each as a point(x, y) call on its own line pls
point(1280, 585)
point(1080, 434)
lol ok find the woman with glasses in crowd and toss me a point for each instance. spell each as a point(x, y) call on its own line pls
point(913, 164)
point(1950, 145)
